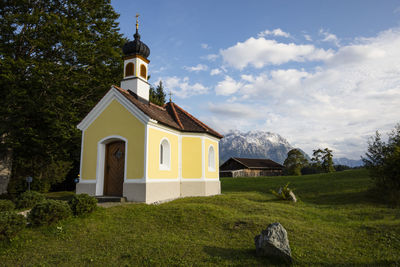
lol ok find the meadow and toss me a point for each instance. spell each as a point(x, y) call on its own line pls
point(336, 222)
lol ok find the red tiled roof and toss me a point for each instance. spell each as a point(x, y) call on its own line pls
point(258, 163)
point(170, 115)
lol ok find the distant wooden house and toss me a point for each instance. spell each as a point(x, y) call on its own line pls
point(243, 167)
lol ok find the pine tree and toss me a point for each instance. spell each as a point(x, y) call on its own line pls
point(58, 58)
point(157, 96)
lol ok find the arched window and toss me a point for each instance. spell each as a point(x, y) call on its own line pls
point(211, 159)
point(143, 72)
point(129, 69)
point(165, 155)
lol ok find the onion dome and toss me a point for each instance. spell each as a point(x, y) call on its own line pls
point(136, 47)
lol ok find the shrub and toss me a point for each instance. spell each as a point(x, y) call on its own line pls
point(11, 224)
point(29, 199)
point(382, 161)
point(284, 193)
point(6, 205)
point(82, 204)
point(49, 212)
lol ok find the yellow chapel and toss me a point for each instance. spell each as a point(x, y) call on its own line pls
point(147, 153)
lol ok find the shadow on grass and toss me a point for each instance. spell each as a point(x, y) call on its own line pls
point(340, 198)
point(239, 257)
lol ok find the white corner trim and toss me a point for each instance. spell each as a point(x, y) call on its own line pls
point(146, 154)
point(180, 157)
point(203, 158)
point(111, 95)
point(80, 163)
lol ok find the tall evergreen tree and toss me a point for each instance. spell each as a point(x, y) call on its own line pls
point(157, 95)
point(58, 57)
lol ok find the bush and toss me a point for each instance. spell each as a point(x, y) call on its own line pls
point(29, 199)
point(49, 212)
point(11, 224)
point(284, 193)
point(382, 161)
point(82, 204)
point(6, 205)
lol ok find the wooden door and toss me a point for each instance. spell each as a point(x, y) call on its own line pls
point(114, 168)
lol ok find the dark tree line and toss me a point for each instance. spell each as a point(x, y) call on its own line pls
point(58, 58)
point(297, 164)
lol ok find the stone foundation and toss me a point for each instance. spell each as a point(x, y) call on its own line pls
point(159, 191)
point(86, 188)
point(200, 188)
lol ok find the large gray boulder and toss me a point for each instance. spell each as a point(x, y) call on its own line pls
point(273, 242)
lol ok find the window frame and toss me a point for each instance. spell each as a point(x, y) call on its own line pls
point(143, 67)
point(211, 167)
point(133, 69)
point(165, 157)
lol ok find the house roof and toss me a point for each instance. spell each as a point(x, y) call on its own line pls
point(170, 114)
point(258, 163)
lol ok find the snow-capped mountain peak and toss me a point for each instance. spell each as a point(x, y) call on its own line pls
point(254, 144)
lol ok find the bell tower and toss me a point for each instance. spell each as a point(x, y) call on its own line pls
point(136, 65)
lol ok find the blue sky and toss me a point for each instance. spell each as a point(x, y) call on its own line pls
point(320, 73)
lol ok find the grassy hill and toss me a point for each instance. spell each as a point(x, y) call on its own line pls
point(335, 223)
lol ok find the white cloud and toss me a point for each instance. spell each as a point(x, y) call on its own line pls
point(307, 37)
point(205, 46)
point(329, 37)
point(339, 104)
point(227, 87)
point(261, 52)
point(276, 32)
point(197, 68)
point(211, 57)
point(182, 88)
point(215, 72)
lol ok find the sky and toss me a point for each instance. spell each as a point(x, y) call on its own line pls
point(319, 73)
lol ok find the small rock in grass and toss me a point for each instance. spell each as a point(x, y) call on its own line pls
point(273, 242)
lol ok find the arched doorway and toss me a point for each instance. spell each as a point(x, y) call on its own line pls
point(114, 168)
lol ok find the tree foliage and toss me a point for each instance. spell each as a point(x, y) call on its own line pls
point(323, 159)
point(58, 58)
point(383, 162)
point(157, 95)
point(294, 162)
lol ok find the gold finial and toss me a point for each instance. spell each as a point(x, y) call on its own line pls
point(137, 21)
point(170, 96)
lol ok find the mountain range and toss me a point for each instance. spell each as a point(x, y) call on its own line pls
point(262, 144)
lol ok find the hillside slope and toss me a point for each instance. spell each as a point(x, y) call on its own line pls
point(324, 228)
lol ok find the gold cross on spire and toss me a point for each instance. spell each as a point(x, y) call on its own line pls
point(137, 21)
point(170, 96)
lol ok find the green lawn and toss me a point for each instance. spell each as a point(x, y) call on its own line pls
point(334, 223)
